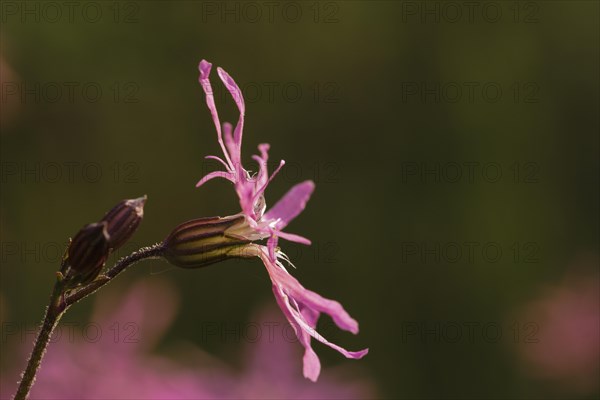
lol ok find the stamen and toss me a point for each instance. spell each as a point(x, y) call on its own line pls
point(285, 257)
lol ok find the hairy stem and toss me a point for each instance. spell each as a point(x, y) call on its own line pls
point(59, 304)
point(144, 253)
point(54, 312)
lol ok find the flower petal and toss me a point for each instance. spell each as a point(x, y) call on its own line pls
point(215, 174)
point(233, 88)
point(290, 289)
point(232, 147)
point(303, 329)
point(291, 204)
point(204, 80)
point(291, 237)
point(217, 159)
point(311, 299)
point(311, 363)
point(310, 316)
point(263, 173)
point(312, 332)
point(331, 307)
point(238, 97)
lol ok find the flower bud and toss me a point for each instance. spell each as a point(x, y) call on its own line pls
point(123, 220)
point(86, 254)
point(205, 241)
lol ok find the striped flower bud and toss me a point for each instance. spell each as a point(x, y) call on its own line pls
point(123, 220)
point(86, 254)
point(205, 241)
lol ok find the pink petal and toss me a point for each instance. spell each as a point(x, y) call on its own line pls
point(233, 88)
point(245, 192)
point(287, 289)
point(310, 316)
point(311, 299)
point(238, 97)
point(312, 332)
point(271, 245)
point(294, 238)
point(204, 80)
point(311, 363)
point(291, 204)
point(232, 147)
point(215, 174)
point(261, 189)
point(217, 159)
point(305, 328)
point(331, 307)
point(263, 173)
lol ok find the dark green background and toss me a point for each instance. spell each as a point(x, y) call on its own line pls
point(361, 55)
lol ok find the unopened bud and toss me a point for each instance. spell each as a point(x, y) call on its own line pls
point(86, 254)
point(123, 220)
point(205, 241)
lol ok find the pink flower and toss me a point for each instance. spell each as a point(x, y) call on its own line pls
point(300, 306)
point(566, 349)
point(115, 356)
point(270, 369)
point(114, 359)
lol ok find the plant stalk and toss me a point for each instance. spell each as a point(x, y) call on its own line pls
point(60, 303)
point(54, 312)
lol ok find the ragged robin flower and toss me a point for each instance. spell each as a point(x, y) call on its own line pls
point(300, 306)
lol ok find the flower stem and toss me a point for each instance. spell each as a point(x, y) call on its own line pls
point(154, 251)
point(54, 312)
point(60, 302)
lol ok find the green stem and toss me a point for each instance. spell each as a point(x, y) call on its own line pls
point(60, 303)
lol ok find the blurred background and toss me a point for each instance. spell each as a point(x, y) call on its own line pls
point(454, 147)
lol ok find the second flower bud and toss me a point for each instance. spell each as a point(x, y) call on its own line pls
point(92, 245)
